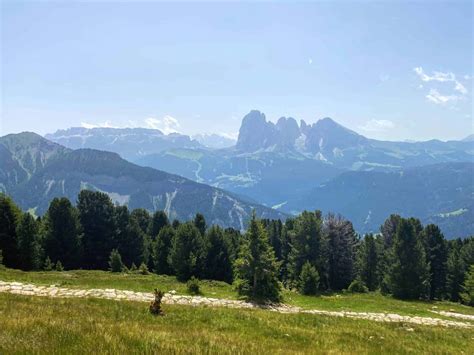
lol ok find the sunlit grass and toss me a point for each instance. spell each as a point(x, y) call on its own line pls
point(45, 325)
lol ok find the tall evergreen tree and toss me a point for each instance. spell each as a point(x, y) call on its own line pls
point(200, 223)
point(340, 242)
point(455, 271)
point(96, 212)
point(256, 269)
point(408, 273)
point(305, 239)
point(62, 233)
point(129, 238)
point(29, 243)
point(467, 295)
point(9, 215)
point(436, 257)
point(161, 249)
point(186, 252)
point(158, 221)
point(217, 262)
point(142, 217)
point(367, 262)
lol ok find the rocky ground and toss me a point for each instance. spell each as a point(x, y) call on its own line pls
point(173, 298)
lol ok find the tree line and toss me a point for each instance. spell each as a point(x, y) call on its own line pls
point(310, 253)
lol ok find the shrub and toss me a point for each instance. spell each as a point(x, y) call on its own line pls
point(59, 266)
point(48, 265)
point(115, 261)
point(309, 280)
point(1, 260)
point(193, 286)
point(133, 268)
point(357, 286)
point(143, 269)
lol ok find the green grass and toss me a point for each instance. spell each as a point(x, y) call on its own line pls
point(46, 325)
point(370, 302)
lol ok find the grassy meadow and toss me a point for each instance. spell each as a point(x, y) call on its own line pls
point(44, 325)
point(369, 302)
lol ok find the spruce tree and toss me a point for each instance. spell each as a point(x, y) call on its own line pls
point(9, 215)
point(309, 279)
point(158, 221)
point(256, 269)
point(29, 243)
point(115, 261)
point(367, 262)
point(305, 239)
point(62, 233)
point(142, 217)
point(48, 265)
point(436, 257)
point(217, 263)
point(161, 249)
point(200, 223)
point(467, 295)
point(186, 252)
point(340, 243)
point(408, 273)
point(455, 271)
point(129, 238)
point(96, 212)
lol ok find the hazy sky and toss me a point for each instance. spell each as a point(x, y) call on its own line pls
point(389, 70)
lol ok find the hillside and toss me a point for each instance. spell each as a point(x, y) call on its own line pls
point(442, 194)
point(35, 170)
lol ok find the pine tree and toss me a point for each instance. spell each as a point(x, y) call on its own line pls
point(158, 221)
point(256, 269)
point(305, 239)
point(436, 257)
point(186, 252)
point(115, 261)
point(309, 279)
point(200, 223)
point(367, 262)
point(9, 215)
point(142, 217)
point(96, 213)
point(129, 238)
point(408, 273)
point(217, 263)
point(29, 243)
point(161, 249)
point(467, 295)
point(340, 242)
point(59, 266)
point(62, 233)
point(48, 265)
point(455, 271)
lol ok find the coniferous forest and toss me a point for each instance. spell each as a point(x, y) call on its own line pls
point(310, 253)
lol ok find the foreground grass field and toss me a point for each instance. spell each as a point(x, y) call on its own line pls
point(44, 325)
point(371, 302)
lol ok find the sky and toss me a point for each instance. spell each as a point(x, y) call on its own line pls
point(389, 70)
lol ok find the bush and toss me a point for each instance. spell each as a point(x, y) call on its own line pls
point(59, 266)
point(357, 286)
point(133, 268)
point(115, 261)
point(48, 265)
point(309, 280)
point(193, 286)
point(1, 260)
point(143, 269)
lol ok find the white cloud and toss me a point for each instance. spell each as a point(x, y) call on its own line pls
point(377, 125)
point(384, 77)
point(167, 124)
point(310, 61)
point(441, 77)
point(435, 97)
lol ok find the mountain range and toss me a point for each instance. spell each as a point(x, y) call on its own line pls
point(35, 170)
point(289, 165)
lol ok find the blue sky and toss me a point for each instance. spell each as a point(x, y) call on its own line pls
point(389, 70)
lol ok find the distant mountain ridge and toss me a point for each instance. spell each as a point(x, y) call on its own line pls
point(34, 170)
